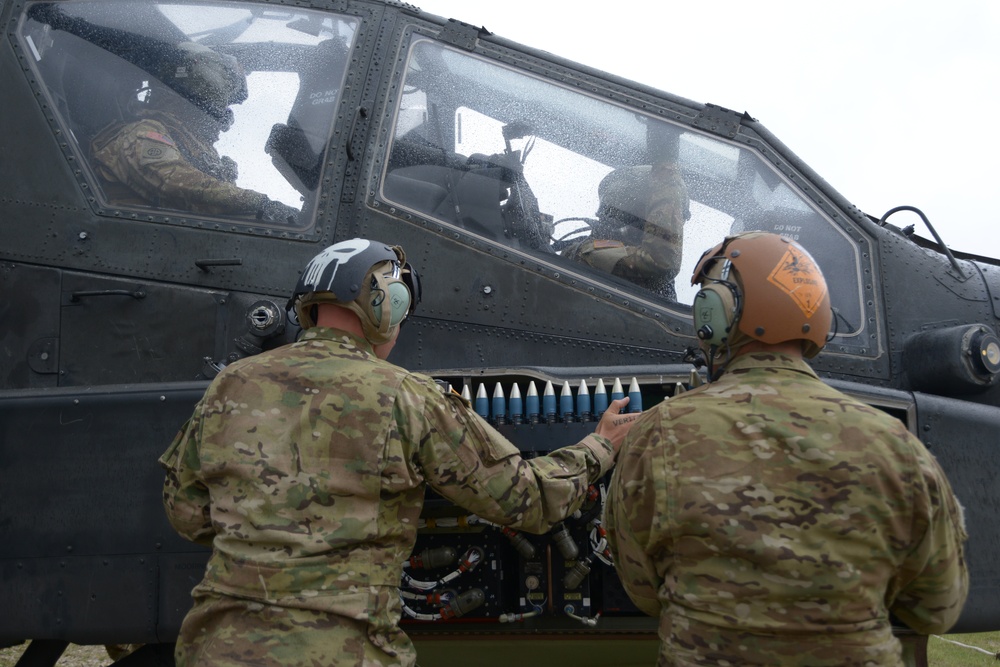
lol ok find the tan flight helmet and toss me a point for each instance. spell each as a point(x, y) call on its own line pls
point(211, 80)
point(760, 286)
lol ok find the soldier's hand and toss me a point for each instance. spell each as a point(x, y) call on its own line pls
point(275, 211)
point(615, 426)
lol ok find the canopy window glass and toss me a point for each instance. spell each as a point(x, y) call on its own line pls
point(202, 109)
point(603, 189)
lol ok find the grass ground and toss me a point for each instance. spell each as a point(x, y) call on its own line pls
point(75, 656)
point(944, 652)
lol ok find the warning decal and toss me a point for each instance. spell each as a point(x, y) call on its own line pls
point(798, 276)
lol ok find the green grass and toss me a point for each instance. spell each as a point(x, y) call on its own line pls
point(941, 652)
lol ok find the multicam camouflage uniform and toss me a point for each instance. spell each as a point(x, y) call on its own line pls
point(653, 203)
point(305, 468)
point(768, 519)
point(156, 161)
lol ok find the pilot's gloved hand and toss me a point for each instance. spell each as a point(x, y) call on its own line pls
point(275, 211)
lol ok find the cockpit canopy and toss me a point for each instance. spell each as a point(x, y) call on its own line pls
point(254, 91)
point(571, 178)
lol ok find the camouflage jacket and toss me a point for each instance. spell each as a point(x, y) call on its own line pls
point(769, 519)
point(654, 261)
point(305, 468)
point(155, 161)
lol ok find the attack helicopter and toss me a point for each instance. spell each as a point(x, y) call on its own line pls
point(502, 171)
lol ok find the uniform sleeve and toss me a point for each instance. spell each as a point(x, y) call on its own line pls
point(663, 233)
point(934, 579)
point(185, 498)
point(145, 158)
point(472, 465)
point(630, 510)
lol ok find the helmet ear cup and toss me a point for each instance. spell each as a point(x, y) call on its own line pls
point(397, 294)
point(715, 313)
point(382, 306)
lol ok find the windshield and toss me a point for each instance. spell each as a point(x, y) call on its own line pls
point(606, 190)
point(207, 109)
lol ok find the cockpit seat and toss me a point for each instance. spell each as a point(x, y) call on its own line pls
point(458, 196)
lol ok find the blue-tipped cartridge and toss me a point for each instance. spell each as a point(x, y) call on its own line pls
point(566, 402)
point(532, 406)
point(499, 405)
point(634, 396)
point(600, 399)
point(549, 402)
point(583, 402)
point(466, 394)
point(617, 391)
point(516, 405)
point(482, 406)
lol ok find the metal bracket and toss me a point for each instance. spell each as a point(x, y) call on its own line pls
point(135, 294)
point(207, 264)
point(720, 121)
point(43, 356)
point(462, 35)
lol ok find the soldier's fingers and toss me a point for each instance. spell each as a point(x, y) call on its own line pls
point(618, 404)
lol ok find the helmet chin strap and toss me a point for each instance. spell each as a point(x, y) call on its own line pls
point(710, 373)
point(305, 304)
point(376, 334)
point(713, 372)
point(731, 345)
point(378, 327)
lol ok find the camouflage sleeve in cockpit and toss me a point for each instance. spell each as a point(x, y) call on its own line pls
point(144, 157)
point(662, 244)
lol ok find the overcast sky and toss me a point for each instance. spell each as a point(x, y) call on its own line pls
point(893, 103)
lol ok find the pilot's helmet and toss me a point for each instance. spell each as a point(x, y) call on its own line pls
point(371, 279)
point(211, 80)
point(760, 286)
point(623, 194)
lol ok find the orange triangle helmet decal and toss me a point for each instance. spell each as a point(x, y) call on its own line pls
point(798, 276)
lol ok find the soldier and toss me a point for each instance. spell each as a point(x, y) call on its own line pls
point(639, 235)
point(766, 518)
point(167, 157)
point(305, 469)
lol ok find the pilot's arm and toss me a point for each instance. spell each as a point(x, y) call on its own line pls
point(145, 158)
point(185, 497)
point(934, 580)
point(666, 209)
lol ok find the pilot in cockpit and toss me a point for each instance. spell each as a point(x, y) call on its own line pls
point(639, 230)
point(165, 156)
